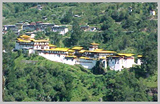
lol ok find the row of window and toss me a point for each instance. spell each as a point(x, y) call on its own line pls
point(31, 43)
point(69, 59)
point(26, 43)
point(41, 43)
point(60, 52)
point(25, 46)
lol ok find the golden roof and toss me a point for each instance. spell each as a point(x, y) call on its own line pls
point(71, 56)
point(86, 58)
point(25, 36)
point(139, 56)
point(51, 45)
point(77, 48)
point(94, 43)
point(41, 40)
point(98, 49)
point(22, 40)
point(82, 51)
point(70, 50)
point(58, 49)
point(103, 58)
point(32, 39)
point(101, 51)
point(125, 54)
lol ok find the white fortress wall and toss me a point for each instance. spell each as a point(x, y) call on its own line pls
point(111, 63)
point(118, 64)
point(129, 63)
point(58, 58)
point(89, 64)
point(69, 61)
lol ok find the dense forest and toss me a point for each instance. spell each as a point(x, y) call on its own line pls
point(33, 78)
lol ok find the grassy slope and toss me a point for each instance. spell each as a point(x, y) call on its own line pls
point(82, 81)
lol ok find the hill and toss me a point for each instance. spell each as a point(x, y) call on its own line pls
point(33, 78)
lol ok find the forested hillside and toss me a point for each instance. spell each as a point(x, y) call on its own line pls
point(121, 27)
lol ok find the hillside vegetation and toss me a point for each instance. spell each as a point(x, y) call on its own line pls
point(33, 78)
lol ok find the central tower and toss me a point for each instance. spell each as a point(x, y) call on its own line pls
point(93, 46)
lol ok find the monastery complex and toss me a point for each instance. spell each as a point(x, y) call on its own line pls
point(77, 55)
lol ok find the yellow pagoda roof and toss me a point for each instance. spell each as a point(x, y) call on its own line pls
point(103, 58)
point(60, 49)
point(139, 56)
point(102, 51)
point(77, 48)
point(32, 39)
point(82, 51)
point(71, 56)
point(99, 50)
point(94, 43)
point(22, 40)
point(70, 50)
point(125, 54)
point(51, 45)
point(25, 36)
point(41, 40)
point(86, 58)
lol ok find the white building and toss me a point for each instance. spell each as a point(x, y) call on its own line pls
point(27, 42)
point(39, 7)
point(60, 29)
point(76, 55)
point(12, 28)
point(152, 12)
point(121, 61)
point(29, 27)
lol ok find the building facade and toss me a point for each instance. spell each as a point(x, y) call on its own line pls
point(77, 55)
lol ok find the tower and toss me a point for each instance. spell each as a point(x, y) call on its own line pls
point(93, 46)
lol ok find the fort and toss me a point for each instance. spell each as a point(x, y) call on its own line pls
point(77, 54)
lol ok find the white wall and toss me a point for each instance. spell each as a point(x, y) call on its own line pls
point(39, 47)
point(89, 64)
point(116, 63)
point(129, 63)
point(91, 49)
point(69, 61)
point(120, 63)
point(61, 31)
point(55, 57)
point(139, 62)
point(31, 51)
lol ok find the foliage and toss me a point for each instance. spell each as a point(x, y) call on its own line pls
point(34, 78)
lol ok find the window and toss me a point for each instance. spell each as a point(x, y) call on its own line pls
point(117, 61)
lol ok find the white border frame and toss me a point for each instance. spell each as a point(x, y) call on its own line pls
point(1, 2)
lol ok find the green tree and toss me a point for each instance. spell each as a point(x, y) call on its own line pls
point(98, 69)
point(149, 60)
point(68, 17)
point(76, 33)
